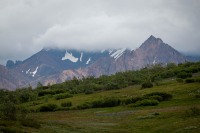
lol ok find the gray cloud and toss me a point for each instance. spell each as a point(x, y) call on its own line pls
point(26, 26)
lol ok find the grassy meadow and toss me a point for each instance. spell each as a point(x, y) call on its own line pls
point(175, 115)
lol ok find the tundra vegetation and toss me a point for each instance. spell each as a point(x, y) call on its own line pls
point(157, 98)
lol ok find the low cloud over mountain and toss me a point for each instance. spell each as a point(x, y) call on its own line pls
point(28, 26)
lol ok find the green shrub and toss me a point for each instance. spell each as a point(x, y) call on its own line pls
point(189, 80)
point(197, 96)
point(111, 102)
point(165, 96)
point(63, 96)
point(89, 91)
point(85, 105)
point(197, 80)
point(184, 75)
point(47, 108)
point(167, 74)
point(156, 97)
point(10, 130)
point(50, 92)
point(97, 103)
point(66, 104)
point(179, 80)
point(111, 86)
point(147, 85)
point(147, 102)
point(107, 102)
point(131, 100)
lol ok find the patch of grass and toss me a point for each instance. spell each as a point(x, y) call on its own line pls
point(30, 123)
point(62, 96)
point(146, 102)
point(193, 111)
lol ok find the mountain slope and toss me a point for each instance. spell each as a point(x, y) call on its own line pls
point(152, 51)
point(10, 79)
point(56, 65)
point(52, 61)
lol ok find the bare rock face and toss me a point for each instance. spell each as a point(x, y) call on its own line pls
point(10, 79)
point(152, 51)
point(55, 65)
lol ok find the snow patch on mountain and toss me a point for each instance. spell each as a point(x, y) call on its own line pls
point(118, 53)
point(110, 51)
point(28, 71)
point(81, 56)
point(34, 72)
point(47, 49)
point(103, 50)
point(154, 61)
point(69, 56)
point(88, 61)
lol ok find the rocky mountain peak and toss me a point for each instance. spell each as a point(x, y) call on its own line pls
point(152, 41)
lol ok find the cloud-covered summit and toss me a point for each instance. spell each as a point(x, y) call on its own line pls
point(27, 26)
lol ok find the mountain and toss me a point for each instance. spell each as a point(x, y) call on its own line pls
point(152, 51)
point(58, 65)
point(51, 61)
point(11, 79)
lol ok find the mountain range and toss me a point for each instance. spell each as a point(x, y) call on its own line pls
point(50, 66)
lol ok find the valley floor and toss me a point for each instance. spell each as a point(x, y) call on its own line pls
point(181, 114)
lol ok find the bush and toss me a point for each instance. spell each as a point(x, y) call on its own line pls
point(51, 92)
point(111, 102)
point(89, 91)
point(189, 80)
point(167, 74)
point(197, 80)
point(85, 105)
point(184, 75)
point(147, 102)
point(156, 97)
point(48, 108)
point(165, 96)
point(111, 86)
point(179, 80)
point(63, 96)
point(147, 85)
point(131, 100)
point(197, 96)
point(66, 104)
point(10, 130)
point(107, 102)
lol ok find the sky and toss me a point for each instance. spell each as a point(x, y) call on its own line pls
point(27, 26)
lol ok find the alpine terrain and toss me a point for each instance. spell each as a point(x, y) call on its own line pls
point(50, 66)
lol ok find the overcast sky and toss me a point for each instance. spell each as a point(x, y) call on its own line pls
point(26, 26)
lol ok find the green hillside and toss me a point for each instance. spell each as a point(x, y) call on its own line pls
point(154, 99)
